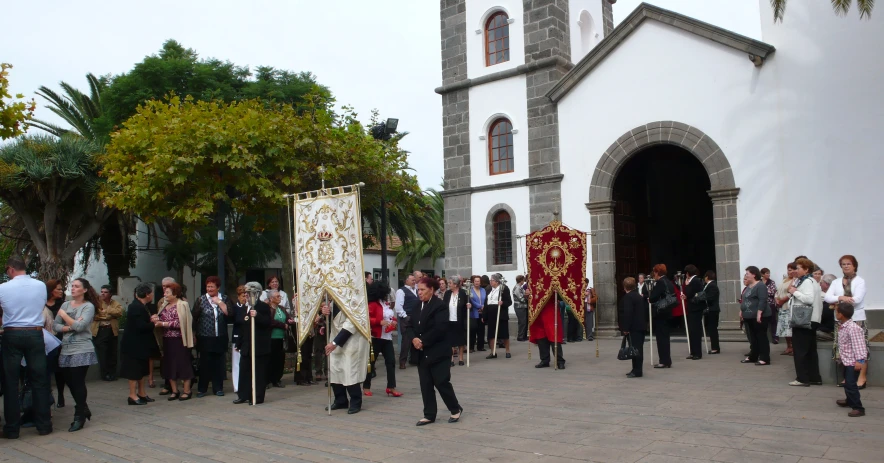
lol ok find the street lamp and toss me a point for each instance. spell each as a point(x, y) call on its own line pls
point(383, 132)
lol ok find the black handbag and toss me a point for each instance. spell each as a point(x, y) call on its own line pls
point(289, 343)
point(627, 351)
point(667, 302)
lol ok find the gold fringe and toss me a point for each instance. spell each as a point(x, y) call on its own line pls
point(298, 366)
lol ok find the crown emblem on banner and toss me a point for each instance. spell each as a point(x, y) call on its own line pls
point(324, 235)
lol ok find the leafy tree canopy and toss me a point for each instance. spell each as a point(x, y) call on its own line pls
point(180, 70)
point(179, 159)
point(841, 7)
point(14, 112)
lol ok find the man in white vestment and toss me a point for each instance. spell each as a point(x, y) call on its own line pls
point(347, 363)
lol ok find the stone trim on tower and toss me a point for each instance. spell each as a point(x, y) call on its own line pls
point(456, 138)
point(607, 16)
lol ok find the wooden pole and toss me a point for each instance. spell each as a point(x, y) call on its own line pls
point(556, 330)
point(497, 322)
point(684, 312)
point(252, 353)
point(327, 341)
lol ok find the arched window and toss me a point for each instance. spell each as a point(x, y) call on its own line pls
point(587, 31)
point(503, 238)
point(497, 39)
point(500, 147)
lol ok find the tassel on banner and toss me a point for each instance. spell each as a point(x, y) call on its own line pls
point(371, 357)
point(298, 366)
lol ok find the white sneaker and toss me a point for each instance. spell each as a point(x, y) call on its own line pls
point(798, 383)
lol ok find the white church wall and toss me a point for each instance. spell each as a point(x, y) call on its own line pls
point(586, 25)
point(502, 98)
point(477, 14)
point(518, 200)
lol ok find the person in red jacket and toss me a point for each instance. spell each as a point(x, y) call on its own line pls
point(382, 319)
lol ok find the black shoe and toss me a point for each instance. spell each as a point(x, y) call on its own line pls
point(460, 363)
point(43, 433)
point(590, 338)
point(491, 356)
point(172, 397)
point(508, 355)
point(277, 384)
point(816, 383)
point(424, 422)
point(60, 403)
point(78, 424)
point(185, 396)
point(542, 365)
point(630, 372)
point(137, 402)
point(482, 350)
point(459, 414)
point(452, 363)
point(633, 375)
point(561, 366)
point(219, 393)
point(578, 340)
point(660, 365)
point(353, 411)
point(240, 401)
point(693, 357)
point(336, 406)
point(200, 395)
point(146, 399)
point(14, 436)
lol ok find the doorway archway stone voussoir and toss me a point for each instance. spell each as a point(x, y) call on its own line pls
point(723, 193)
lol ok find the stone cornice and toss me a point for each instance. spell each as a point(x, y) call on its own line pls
point(503, 186)
point(542, 63)
point(757, 51)
point(728, 194)
point(601, 207)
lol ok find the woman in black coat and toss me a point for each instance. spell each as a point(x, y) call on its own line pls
point(432, 350)
point(457, 317)
point(634, 323)
point(135, 347)
point(662, 286)
point(497, 311)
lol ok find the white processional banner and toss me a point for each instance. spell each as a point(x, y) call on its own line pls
point(328, 255)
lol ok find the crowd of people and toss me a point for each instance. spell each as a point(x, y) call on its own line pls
point(438, 321)
point(807, 307)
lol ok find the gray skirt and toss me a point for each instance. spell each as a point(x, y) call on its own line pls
point(77, 360)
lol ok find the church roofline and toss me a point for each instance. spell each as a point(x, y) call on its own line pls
point(758, 51)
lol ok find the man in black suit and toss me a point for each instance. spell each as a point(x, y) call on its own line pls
point(712, 310)
point(260, 312)
point(695, 308)
point(634, 323)
point(432, 351)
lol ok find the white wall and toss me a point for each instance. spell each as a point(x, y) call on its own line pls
point(581, 44)
point(477, 14)
point(799, 132)
point(488, 102)
point(517, 199)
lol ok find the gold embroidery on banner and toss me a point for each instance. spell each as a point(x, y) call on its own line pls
point(555, 257)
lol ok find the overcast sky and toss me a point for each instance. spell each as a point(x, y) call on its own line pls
point(380, 54)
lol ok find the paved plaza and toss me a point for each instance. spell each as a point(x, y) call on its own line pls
point(715, 409)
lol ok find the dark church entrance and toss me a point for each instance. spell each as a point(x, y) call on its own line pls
point(663, 213)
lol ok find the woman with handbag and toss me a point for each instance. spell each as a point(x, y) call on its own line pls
point(755, 314)
point(662, 300)
point(633, 323)
point(382, 320)
point(781, 298)
point(806, 310)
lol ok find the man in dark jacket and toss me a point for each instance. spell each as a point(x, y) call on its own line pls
point(712, 311)
point(260, 313)
point(693, 286)
point(634, 323)
point(210, 315)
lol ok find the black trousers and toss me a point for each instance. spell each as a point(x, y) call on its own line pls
point(661, 333)
point(245, 377)
point(407, 337)
point(589, 324)
point(106, 349)
point(75, 377)
point(851, 391)
point(711, 322)
point(213, 366)
point(341, 393)
point(574, 328)
point(759, 345)
point(522, 316)
point(695, 326)
point(437, 375)
point(807, 366)
point(383, 347)
point(276, 363)
point(477, 334)
point(638, 341)
point(544, 346)
point(27, 344)
point(306, 373)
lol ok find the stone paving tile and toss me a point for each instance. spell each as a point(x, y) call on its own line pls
point(709, 410)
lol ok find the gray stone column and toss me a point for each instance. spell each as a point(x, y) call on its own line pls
point(603, 264)
point(456, 139)
point(607, 17)
point(727, 256)
point(546, 36)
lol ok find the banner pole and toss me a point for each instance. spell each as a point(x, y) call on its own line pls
point(327, 342)
point(556, 330)
point(684, 311)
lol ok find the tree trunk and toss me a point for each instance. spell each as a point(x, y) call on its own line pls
point(285, 249)
point(115, 247)
point(52, 268)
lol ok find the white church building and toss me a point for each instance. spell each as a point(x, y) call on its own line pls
point(670, 140)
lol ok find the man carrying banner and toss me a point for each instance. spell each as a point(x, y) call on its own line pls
point(546, 332)
point(348, 357)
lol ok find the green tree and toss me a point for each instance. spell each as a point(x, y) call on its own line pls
point(51, 184)
point(81, 111)
point(429, 242)
point(841, 7)
point(14, 113)
point(180, 159)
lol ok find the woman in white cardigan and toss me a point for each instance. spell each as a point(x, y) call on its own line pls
point(806, 292)
point(852, 289)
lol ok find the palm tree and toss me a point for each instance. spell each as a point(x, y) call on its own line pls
point(75, 107)
point(841, 7)
point(429, 240)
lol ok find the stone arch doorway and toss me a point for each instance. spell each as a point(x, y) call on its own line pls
point(643, 142)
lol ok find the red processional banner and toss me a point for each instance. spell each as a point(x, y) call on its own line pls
point(556, 257)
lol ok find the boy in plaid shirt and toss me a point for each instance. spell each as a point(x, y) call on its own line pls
point(853, 353)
